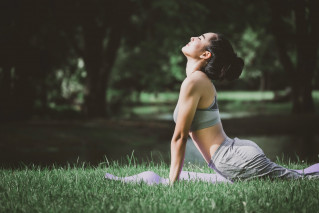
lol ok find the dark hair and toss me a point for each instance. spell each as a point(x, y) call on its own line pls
point(224, 62)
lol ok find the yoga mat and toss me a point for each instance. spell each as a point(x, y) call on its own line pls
point(150, 177)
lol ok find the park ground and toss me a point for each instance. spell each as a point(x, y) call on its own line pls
point(59, 165)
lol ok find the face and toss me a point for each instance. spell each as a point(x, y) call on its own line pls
point(197, 45)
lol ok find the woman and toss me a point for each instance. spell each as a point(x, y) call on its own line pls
point(211, 57)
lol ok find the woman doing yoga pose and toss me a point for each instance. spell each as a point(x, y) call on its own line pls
point(210, 56)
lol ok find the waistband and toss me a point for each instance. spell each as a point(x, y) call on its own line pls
point(214, 156)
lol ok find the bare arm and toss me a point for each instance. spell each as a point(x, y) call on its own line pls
point(187, 104)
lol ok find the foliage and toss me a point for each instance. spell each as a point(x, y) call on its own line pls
point(154, 64)
point(127, 47)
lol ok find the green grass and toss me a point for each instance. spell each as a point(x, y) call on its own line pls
point(82, 188)
point(222, 95)
point(160, 105)
point(234, 103)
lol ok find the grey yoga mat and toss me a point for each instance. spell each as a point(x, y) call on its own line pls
point(150, 177)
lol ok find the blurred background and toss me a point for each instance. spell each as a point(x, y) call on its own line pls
point(86, 81)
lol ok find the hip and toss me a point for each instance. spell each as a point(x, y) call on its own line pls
point(236, 156)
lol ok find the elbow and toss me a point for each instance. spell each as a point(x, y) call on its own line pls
point(180, 138)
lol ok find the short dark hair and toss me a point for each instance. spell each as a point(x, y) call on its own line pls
point(224, 62)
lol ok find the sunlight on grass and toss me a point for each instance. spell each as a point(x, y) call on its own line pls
point(222, 95)
point(245, 95)
point(232, 104)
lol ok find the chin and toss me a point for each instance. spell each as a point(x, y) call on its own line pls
point(184, 50)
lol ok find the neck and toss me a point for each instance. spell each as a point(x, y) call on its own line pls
point(192, 66)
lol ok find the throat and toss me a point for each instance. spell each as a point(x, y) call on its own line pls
point(193, 66)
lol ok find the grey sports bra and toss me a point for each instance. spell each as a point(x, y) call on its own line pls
point(203, 118)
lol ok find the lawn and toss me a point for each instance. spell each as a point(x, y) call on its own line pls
point(82, 188)
point(222, 95)
point(231, 104)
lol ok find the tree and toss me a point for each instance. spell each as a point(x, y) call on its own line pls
point(94, 29)
point(29, 46)
point(295, 25)
point(151, 64)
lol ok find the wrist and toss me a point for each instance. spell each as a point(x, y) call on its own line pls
point(172, 182)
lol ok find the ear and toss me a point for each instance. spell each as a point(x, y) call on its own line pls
point(205, 55)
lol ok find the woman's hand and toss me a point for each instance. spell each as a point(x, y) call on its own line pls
point(171, 183)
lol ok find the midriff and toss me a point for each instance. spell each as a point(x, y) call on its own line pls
point(208, 140)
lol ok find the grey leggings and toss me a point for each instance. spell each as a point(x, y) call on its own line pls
point(235, 159)
point(238, 159)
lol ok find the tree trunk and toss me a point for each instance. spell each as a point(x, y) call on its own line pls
point(95, 99)
point(264, 81)
point(99, 65)
point(99, 30)
point(302, 97)
point(302, 74)
point(308, 104)
point(5, 93)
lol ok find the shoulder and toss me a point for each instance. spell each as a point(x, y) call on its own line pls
point(195, 82)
